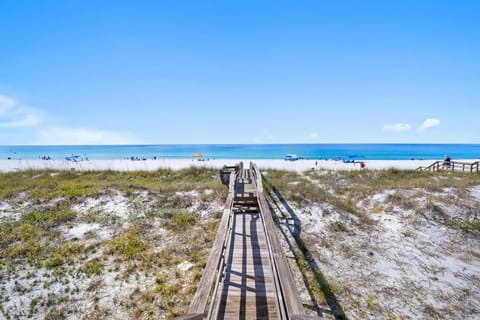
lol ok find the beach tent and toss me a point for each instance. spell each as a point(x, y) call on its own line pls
point(73, 158)
point(197, 155)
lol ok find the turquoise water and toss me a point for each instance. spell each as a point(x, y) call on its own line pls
point(249, 151)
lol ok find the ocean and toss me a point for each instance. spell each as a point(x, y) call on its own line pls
point(248, 151)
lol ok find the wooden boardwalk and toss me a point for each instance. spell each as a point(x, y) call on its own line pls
point(248, 289)
point(247, 275)
point(472, 167)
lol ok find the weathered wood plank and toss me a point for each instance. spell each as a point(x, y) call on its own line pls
point(249, 289)
point(205, 286)
point(290, 293)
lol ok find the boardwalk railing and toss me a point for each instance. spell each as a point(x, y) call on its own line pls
point(211, 276)
point(206, 301)
point(453, 166)
point(287, 294)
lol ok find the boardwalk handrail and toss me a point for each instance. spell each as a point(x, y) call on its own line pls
point(288, 290)
point(430, 167)
point(206, 300)
point(453, 166)
point(214, 268)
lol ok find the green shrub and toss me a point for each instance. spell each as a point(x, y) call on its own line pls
point(465, 225)
point(345, 205)
point(92, 267)
point(340, 226)
point(181, 221)
point(167, 290)
point(128, 245)
point(49, 218)
point(55, 261)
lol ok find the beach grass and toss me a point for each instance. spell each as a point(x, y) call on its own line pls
point(49, 184)
point(343, 188)
point(146, 240)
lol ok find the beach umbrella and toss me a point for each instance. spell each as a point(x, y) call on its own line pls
point(197, 155)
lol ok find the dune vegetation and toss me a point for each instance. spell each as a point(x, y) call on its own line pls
point(380, 244)
point(95, 245)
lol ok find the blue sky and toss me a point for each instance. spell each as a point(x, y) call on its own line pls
point(118, 72)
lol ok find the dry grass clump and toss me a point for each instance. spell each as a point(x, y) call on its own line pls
point(32, 237)
point(467, 225)
point(293, 187)
point(129, 245)
point(308, 191)
point(181, 221)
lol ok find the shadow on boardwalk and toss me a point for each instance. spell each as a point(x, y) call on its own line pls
point(244, 293)
point(301, 253)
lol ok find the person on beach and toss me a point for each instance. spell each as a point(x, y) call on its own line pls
point(362, 164)
point(446, 161)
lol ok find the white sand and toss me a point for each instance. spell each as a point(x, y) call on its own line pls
point(150, 165)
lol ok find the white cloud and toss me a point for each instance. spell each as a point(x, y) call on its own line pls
point(397, 127)
point(15, 115)
point(6, 102)
point(430, 123)
point(21, 117)
point(313, 135)
point(82, 136)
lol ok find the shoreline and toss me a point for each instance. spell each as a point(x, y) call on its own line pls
point(176, 164)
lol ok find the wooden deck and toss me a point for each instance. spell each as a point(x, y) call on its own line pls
point(247, 275)
point(248, 289)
